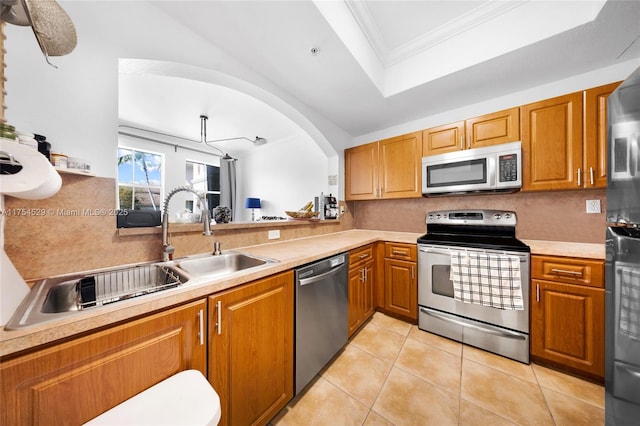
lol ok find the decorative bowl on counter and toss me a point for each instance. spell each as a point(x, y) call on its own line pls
point(302, 214)
point(222, 214)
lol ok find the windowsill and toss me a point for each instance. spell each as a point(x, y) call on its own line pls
point(74, 171)
point(197, 227)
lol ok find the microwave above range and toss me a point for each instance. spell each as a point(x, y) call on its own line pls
point(492, 169)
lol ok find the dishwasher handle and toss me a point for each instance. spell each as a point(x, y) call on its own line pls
point(316, 278)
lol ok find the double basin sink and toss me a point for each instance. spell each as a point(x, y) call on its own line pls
point(53, 298)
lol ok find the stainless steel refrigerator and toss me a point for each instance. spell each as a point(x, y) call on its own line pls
point(622, 309)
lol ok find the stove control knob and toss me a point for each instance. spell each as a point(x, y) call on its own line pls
point(438, 216)
point(429, 216)
point(497, 216)
point(507, 215)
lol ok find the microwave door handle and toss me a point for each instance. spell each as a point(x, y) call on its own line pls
point(491, 169)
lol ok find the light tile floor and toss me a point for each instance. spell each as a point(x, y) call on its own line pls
point(392, 373)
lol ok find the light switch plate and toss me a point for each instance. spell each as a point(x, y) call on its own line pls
point(593, 206)
point(273, 234)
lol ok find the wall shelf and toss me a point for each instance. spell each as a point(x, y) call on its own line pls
point(74, 172)
point(175, 228)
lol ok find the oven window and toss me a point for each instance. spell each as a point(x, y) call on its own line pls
point(459, 173)
point(442, 284)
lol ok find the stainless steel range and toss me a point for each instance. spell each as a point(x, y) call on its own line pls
point(473, 281)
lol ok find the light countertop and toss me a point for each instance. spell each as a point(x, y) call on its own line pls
point(289, 254)
point(560, 248)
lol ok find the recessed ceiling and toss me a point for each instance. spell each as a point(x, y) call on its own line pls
point(390, 25)
point(403, 44)
point(383, 63)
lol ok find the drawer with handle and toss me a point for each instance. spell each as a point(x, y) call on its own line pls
point(361, 255)
point(400, 251)
point(588, 272)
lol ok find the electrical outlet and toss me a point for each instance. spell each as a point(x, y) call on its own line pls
point(593, 206)
point(341, 210)
point(273, 234)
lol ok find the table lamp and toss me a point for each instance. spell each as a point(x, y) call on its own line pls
point(253, 204)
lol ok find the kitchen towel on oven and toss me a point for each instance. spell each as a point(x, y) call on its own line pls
point(487, 279)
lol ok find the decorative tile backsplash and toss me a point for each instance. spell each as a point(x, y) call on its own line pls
point(554, 216)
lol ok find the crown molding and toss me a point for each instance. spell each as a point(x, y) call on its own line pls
point(479, 15)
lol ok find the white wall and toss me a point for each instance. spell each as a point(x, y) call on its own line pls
point(576, 83)
point(75, 106)
point(284, 177)
point(283, 174)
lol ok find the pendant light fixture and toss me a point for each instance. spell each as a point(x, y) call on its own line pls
point(203, 135)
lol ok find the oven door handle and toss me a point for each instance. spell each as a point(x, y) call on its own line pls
point(435, 250)
point(486, 328)
point(447, 251)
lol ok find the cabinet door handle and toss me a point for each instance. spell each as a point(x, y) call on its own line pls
point(201, 326)
point(537, 293)
point(362, 275)
point(219, 316)
point(591, 176)
point(413, 273)
point(461, 141)
point(563, 271)
point(362, 256)
point(579, 176)
point(398, 253)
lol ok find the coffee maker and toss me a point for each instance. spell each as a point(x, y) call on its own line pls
point(327, 206)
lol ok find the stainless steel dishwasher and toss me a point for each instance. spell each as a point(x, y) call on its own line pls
point(322, 299)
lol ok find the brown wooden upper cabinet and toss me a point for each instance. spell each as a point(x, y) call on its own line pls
point(389, 168)
point(361, 172)
point(490, 129)
point(564, 141)
point(595, 135)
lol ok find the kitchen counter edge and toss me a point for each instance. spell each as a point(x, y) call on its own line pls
point(567, 249)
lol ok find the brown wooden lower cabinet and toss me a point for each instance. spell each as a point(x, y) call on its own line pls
point(362, 276)
point(73, 382)
point(251, 349)
point(401, 280)
point(567, 324)
point(567, 313)
point(401, 288)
